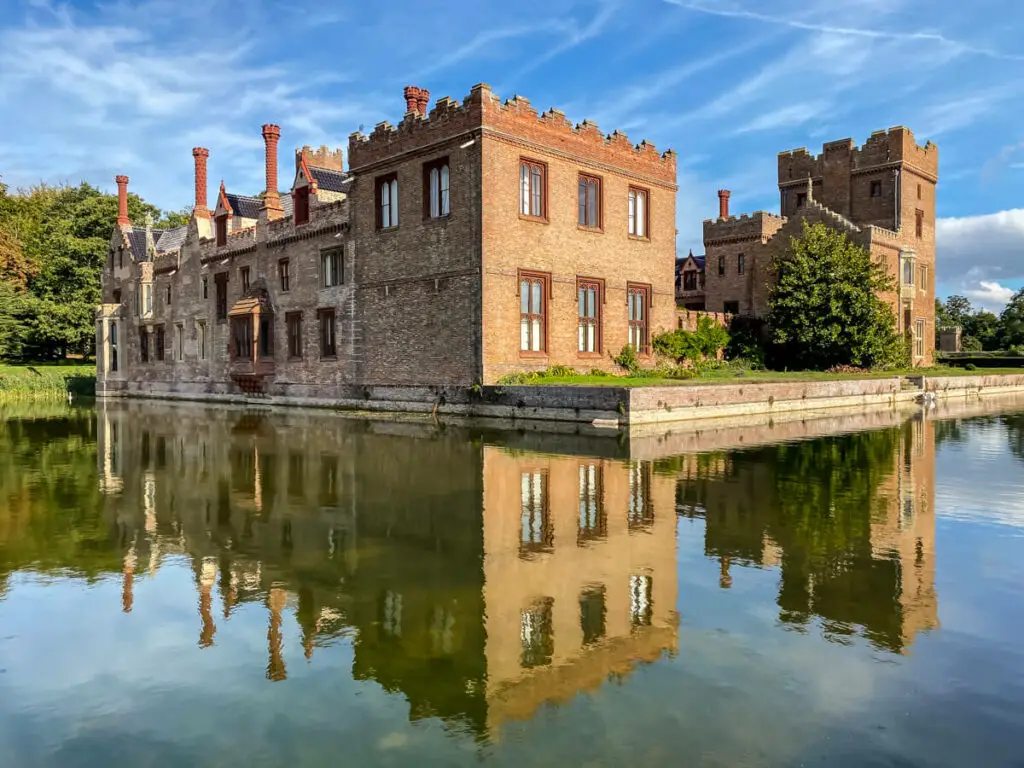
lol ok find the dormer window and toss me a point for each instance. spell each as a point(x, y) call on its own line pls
point(222, 229)
point(301, 205)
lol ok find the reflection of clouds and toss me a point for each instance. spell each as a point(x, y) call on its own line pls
point(993, 494)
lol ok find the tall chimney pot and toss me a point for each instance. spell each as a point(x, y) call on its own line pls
point(122, 201)
point(412, 99)
point(200, 154)
point(271, 199)
point(723, 203)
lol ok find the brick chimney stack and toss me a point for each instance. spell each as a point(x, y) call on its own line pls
point(271, 199)
point(416, 100)
point(200, 154)
point(412, 94)
point(723, 203)
point(122, 201)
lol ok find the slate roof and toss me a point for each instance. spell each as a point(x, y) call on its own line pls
point(248, 207)
point(330, 180)
point(165, 240)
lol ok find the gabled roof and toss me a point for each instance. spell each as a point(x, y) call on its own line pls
point(248, 206)
point(165, 240)
point(330, 180)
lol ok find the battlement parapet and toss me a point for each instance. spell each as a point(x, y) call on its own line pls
point(517, 118)
point(446, 120)
point(897, 144)
point(331, 159)
point(754, 226)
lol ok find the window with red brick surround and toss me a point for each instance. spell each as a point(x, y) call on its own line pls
point(589, 202)
point(534, 290)
point(639, 213)
point(589, 299)
point(436, 189)
point(919, 222)
point(386, 197)
point(533, 189)
point(638, 303)
point(301, 205)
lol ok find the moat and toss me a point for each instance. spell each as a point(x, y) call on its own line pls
point(190, 585)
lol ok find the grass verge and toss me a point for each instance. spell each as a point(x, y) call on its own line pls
point(46, 381)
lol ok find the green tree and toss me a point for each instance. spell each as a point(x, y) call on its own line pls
point(983, 326)
point(957, 310)
point(825, 308)
point(1011, 321)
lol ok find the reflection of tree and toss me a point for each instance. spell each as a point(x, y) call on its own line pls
point(1014, 424)
point(816, 501)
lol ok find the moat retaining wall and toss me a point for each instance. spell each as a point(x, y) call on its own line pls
point(617, 406)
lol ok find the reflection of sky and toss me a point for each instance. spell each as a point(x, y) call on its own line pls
point(95, 685)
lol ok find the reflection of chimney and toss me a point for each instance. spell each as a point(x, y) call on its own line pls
point(724, 577)
point(723, 203)
point(276, 670)
point(207, 578)
point(306, 614)
point(122, 201)
point(128, 581)
point(271, 200)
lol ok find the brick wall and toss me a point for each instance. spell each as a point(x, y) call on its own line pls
point(562, 249)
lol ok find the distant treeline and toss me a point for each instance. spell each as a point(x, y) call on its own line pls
point(53, 241)
point(982, 330)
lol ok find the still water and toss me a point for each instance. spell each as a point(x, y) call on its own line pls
point(192, 586)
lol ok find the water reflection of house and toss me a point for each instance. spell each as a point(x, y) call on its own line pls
point(849, 520)
point(412, 546)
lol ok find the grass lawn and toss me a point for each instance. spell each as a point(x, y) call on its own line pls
point(47, 380)
point(730, 376)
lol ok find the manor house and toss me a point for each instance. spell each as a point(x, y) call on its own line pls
point(467, 242)
point(881, 195)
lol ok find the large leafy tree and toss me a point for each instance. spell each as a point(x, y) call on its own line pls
point(825, 308)
point(1012, 321)
point(53, 241)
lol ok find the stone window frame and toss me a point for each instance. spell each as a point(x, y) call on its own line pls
point(643, 290)
point(695, 275)
point(284, 277)
point(205, 286)
point(179, 347)
point(919, 223)
point(801, 199)
point(293, 331)
point(596, 320)
point(636, 193)
point(531, 165)
point(741, 264)
point(220, 280)
point(220, 228)
point(390, 181)
point(241, 337)
point(159, 351)
point(919, 333)
point(245, 277)
point(584, 182)
point(721, 265)
point(922, 278)
point(531, 277)
point(143, 344)
point(444, 185)
point(167, 296)
point(335, 256)
point(300, 205)
point(875, 189)
point(201, 339)
point(327, 351)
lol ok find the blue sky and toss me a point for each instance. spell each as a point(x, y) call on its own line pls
point(88, 90)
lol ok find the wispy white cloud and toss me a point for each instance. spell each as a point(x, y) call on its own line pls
point(875, 34)
point(790, 115)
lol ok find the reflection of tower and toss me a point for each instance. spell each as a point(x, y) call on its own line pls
point(276, 600)
point(907, 530)
point(579, 569)
point(207, 578)
point(149, 512)
point(108, 442)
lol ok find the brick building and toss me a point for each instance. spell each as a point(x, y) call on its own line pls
point(690, 282)
point(465, 243)
point(882, 195)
